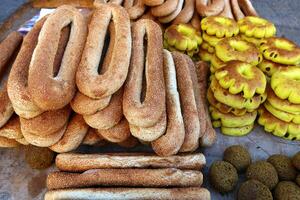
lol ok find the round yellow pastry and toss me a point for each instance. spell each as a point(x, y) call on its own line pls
point(223, 107)
point(236, 48)
point(219, 26)
point(269, 67)
point(252, 26)
point(237, 131)
point(206, 46)
point(211, 40)
point(241, 77)
point(281, 104)
point(230, 131)
point(236, 101)
point(182, 37)
point(277, 127)
point(280, 50)
point(205, 55)
point(282, 115)
point(256, 41)
point(216, 63)
point(285, 82)
point(231, 120)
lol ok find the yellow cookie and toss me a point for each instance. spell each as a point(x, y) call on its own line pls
point(277, 127)
point(281, 104)
point(241, 77)
point(231, 120)
point(285, 82)
point(282, 115)
point(236, 48)
point(182, 37)
point(281, 50)
point(223, 107)
point(252, 26)
point(235, 101)
point(237, 131)
point(219, 26)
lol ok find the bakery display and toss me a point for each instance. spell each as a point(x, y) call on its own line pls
point(151, 75)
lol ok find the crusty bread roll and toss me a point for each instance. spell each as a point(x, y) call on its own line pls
point(148, 112)
point(8, 143)
point(125, 177)
point(74, 135)
point(190, 193)
point(47, 122)
point(50, 91)
point(188, 103)
point(209, 135)
point(118, 133)
point(171, 141)
point(109, 116)
point(12, 129)
point(88, 80)
point(92, 138)
point(8, 48)
point(73, 162)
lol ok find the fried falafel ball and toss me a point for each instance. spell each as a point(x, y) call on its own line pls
point(284, 167)
point(287, 190)
point(263, 172)
point(296, 160)
point(39, 157)
point(238, 156)
point(223, 176)
point(253, 189)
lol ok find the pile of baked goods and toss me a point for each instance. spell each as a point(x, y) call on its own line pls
point(127, 176)
point(103, 79)
point(277, 177)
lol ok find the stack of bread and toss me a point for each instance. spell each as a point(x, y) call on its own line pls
point(127, 176)
point(280, 113)
point(10, 134)
point(86, 80)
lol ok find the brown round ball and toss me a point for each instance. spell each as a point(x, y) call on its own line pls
point(284, 167)
point(263, 172)
point(287, 190)
point(253, 189)
point(298, 179)
point(296, 160)
point(238, 156)
point(223, 176)
point(39, 157)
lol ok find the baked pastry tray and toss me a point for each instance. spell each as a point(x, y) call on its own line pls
point(19, 181)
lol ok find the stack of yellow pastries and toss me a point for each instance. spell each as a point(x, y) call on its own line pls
point(215, 28)
point(183, 38)
point(280, 114)
point(237, 86)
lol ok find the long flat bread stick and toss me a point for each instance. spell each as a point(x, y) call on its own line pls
point(192, 193)
point(73, 162)
point(125, 177)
